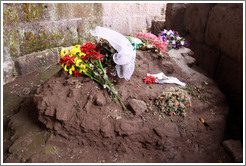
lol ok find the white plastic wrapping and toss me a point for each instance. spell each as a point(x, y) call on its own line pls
point(125, 58)
point(161, 78)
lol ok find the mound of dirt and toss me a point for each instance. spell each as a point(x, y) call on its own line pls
point(89, 126)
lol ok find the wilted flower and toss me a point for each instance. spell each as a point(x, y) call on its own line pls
point(173, 101)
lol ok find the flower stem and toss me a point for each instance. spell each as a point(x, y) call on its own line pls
point(110, 85)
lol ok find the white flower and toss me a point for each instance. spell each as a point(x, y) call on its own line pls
point(173, 42)
point(178, 38)
point(168, 33)
point(182, 42)
point(165, 31)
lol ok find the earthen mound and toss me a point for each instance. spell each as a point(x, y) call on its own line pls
point(81, 111)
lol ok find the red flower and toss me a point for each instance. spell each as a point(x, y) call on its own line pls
point(76, 73)
point(149, 79)
point(61, 61)
point(136, 86)
point(88, 46)
point(68, 60)
point(85, 57)
point(97, 56)
point(91, 53)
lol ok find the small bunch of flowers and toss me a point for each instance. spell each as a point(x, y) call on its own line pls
point(152, 39)
point(85, 60)
point(149, 79)
point(173, 39)
point(173, 101)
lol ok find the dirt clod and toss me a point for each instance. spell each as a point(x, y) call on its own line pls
point(137, 106)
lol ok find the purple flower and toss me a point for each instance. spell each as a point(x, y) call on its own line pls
point(179, 46)
point(164, 38)
point(173, 38)
point(174, 45)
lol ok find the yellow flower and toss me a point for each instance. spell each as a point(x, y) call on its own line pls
point(64, 51)
point(71, 69)
point(80, 71)
point(65, 66)
point(81, 65)
point(76, 46)
point(84, 71)
point(75, 50)
point(76, 59)
point(82, 54)
point(79, 62)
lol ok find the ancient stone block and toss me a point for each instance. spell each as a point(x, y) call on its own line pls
point(40, 36)
point(154, 9)
point(55, 11)
point(157, 26)
point(229, 76)
point(10, 14)
point(84, 27)
point(131, 9)
point(195, 19)
point(235, 148)
point(79, 10)
point(119, 10)
point(11, 47)
point(138, 24)
point(225, 29)
point(122, 25)
point(8, 69)
point(31, 62)
point(207, 59)
point(175, 17)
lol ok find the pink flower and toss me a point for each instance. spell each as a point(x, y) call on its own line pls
point(156, 41)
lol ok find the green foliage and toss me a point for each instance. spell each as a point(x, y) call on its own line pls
point(15, 74)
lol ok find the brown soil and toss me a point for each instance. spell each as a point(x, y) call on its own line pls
point(72, 119)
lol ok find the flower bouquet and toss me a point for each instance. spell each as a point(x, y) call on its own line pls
point(173, 39)
point(86, 60)
point(152, 40)
point(173, 101)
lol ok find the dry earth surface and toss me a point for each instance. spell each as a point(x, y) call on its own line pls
point(73, 120)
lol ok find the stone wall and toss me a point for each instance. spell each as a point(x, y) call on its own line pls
point(34, 32)
point(30, 28)
point(215, 33)
point(129, 18)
